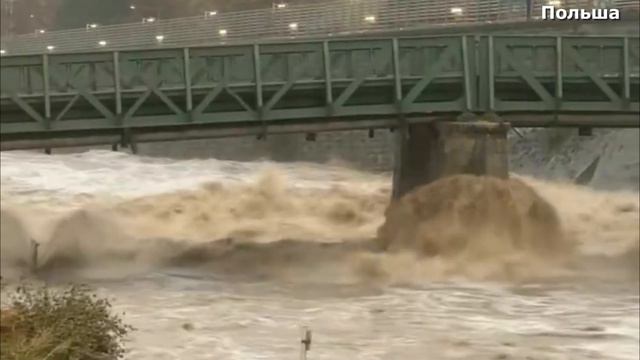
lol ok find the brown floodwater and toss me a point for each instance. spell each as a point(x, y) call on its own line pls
point(225, 260)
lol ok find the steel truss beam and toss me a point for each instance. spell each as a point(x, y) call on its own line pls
point(298, 82)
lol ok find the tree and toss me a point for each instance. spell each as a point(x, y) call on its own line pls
point(78, 13)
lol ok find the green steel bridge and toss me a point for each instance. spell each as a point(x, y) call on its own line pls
point(130, 96)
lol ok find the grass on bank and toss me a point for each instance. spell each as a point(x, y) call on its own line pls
point(72, 324)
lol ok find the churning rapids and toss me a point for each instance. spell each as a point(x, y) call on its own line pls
point(247, 253)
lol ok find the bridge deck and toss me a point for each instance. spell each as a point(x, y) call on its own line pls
point(530, 80)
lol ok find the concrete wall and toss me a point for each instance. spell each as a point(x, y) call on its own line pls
point(354, 147)
point(548, 153)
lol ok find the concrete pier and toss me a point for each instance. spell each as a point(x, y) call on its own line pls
point(427, 152)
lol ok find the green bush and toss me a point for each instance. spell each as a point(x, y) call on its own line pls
point(72, 324)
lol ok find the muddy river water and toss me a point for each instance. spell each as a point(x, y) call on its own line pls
point(287, 256)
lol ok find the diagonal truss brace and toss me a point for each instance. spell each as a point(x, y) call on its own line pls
point(288, 85)
point(381, 61)
point(82, 92)
point(429, 74)
point(152, 88)
point(571, 53)
point(526, 73)
point(28, 109)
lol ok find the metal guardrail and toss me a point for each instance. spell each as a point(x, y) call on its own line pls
point(323, 19)
point(318, 85)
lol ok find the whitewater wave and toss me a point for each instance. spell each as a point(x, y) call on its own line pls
point(269, 229)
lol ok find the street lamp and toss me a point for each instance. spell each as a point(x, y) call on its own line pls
point(293, 26)
point(40, 31)
point(102, 43)
point(148, 20)
point(370, 19)
point(456, 11)
point(208, 14)
point(222, 32)
point(3, 52)
point(281, 5)
point(51, 48)
point(159, 38)
point(91, 26)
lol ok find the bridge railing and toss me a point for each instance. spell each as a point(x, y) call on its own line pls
point(321, 19)
point(306, 81)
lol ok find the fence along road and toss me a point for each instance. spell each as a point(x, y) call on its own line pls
point(322, 19)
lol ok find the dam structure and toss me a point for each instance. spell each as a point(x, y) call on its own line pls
point(449, 98)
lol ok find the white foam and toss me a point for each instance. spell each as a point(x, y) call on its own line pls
point(36, 177)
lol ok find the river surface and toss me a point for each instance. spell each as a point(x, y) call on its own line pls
point(288, 260)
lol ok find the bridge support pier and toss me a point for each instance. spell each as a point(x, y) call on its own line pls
point(427, 152)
